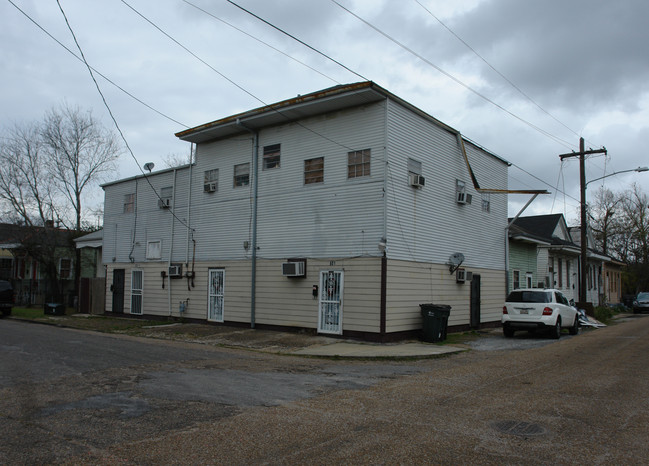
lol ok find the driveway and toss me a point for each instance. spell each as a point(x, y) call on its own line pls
point(79, 397)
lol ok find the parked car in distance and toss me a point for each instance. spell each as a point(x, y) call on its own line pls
point(6, 297)
point(539, 309)
point(641, 302)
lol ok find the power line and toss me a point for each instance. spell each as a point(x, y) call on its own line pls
point(110, 112)
point(298, 40)
point(454, 79)
point(93, 69)
point(496, 71)
point(260, 41)
point(232, 81)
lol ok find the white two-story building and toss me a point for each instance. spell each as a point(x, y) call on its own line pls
point(339, 211)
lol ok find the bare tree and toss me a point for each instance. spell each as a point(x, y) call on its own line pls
point(79, 151)
point(604, 219)
point(175, 160)
point(45, 168)
point(25, 185)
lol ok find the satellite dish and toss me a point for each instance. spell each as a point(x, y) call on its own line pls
point(455, 261)
point(149, 166)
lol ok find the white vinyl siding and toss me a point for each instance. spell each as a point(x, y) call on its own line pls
point(427, 224)
point(411, 284)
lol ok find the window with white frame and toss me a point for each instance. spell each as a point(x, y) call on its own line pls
point(486, 202)
point(271, 156)
point(358, 163)
point(242, 174)
point(414, 167)
point(314, 170)
point(211, 181)
point(460, 192)
point(136, 291)
point(129, 203)
point(65, 269)
point(154, 250)
point(166, 195)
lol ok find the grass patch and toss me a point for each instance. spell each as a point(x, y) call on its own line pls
point(27, 312)
point(605, 313)
point(460, 337)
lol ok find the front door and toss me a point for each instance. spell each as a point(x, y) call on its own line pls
point(118, 291)
point(330, 306)
point(475, 301)
point(216, 295)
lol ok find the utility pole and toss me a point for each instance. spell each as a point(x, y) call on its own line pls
point(584, 247)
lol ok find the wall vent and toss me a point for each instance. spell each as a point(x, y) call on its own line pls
point(175, 270)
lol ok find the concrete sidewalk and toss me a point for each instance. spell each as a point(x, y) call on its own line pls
point(267, 341)
point(349, 349)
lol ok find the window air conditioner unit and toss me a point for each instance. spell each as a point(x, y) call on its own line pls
point(417, 180)
point(164, 203)
point(209, 187)
point(175, 270)
point(293, 269)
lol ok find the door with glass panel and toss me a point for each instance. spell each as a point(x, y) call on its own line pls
point(216, 289)
point(330, 313)
point(136, 292)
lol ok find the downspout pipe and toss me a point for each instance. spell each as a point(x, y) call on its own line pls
point(255, 198)
point(171, 243)
point(189, 202)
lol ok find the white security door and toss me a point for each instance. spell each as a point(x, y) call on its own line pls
point(216, 293)
point(136, 292)
point(330, 314)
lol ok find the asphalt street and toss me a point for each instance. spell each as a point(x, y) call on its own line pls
point(78, 397)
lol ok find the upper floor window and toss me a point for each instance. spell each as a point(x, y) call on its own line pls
point(414, 167)
point(271, 156)
point(65, 268)
point(129, 203)
point(460, 192)
point(211, 182)
point(242, 174)
point(154, 250)
point(358, 163)
point(166, 195)
point(314, 170)
point(486, 202)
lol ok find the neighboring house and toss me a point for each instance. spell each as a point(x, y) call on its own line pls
point(25, 255)
point(338, 211)
point(523, 259)
point(91, 258)
point(557, 256)
point(612, 275)
point(595, 292)
point(92, 285)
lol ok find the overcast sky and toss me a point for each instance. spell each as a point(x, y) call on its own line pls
point(571, 68)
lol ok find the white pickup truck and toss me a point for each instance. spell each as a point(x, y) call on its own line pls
point(539, 309)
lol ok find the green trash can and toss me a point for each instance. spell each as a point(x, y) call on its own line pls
point(435, 321)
